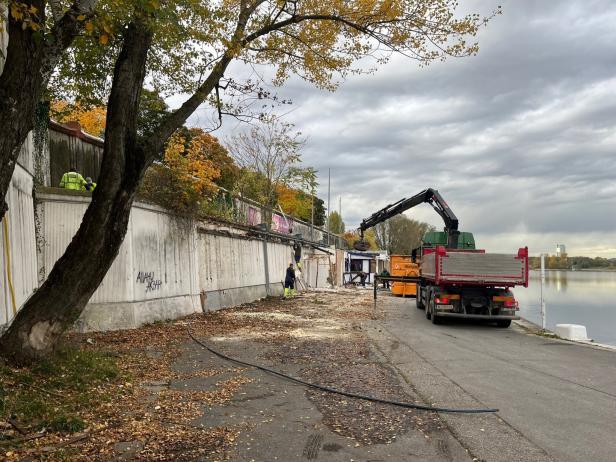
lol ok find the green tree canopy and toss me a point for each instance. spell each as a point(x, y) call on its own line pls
point(400, 234)
point(336, 225)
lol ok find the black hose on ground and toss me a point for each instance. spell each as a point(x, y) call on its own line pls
point(335, 391)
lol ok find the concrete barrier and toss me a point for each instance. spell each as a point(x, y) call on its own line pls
point(571, 332)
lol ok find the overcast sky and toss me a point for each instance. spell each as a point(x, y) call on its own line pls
point(520, 140)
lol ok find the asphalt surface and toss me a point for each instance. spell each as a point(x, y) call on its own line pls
point(557, 399)
point(279, 423)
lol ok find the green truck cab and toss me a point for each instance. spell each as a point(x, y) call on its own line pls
point(432, 239)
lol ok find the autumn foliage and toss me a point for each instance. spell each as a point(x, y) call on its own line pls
point(92, 120)
point(294, 202)
point(351, 237)
point(185, 179)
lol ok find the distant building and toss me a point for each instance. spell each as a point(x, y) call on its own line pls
point(561, 250)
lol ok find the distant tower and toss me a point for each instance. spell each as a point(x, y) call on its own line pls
point(560, 250)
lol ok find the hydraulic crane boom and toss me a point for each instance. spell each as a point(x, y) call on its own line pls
point(430, 196)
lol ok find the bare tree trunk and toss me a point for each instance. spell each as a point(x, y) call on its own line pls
point(57, 304)
point(20, 91)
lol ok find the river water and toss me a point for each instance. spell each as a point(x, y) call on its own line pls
point(573, 297)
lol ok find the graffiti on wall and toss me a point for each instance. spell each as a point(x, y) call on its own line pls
point(281, 224)
point(254, 216)
point(147, 278)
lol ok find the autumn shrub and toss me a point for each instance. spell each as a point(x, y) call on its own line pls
point(184, 181)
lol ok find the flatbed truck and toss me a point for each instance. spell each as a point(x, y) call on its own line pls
point(457, 280)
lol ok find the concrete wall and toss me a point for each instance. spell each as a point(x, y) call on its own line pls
point(232, 266)
point(4, 35)
point(18, 258)
point(164, 265)
point(153, 277)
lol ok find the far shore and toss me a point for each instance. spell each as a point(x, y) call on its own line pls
point(584, 270)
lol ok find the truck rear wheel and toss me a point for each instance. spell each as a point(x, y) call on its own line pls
point(435, 319)
point(504, 324)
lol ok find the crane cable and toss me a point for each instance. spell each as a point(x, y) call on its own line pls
point(290, 378)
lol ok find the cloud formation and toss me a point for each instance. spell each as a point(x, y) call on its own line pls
point(521, 139)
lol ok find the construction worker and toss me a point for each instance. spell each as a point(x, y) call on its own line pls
point(89, 186)
point(385, 274)
point(297, 249)
point(289, 282)
point(72, 180)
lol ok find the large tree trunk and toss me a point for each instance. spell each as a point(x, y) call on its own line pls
point(57, 304)
point(20, 91)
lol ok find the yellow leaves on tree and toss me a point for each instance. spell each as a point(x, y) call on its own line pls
point(294, 202)
point(27, 14)
point(185, 179)
point(92, 120)
point(186, 157)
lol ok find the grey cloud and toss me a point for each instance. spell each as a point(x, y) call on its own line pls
point(520, 139)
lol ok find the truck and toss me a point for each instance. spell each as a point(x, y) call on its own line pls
point(457, 280)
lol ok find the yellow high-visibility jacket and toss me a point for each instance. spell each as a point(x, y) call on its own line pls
point(72, 180)
point(92, 187)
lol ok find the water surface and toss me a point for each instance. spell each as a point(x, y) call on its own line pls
point(573, 297)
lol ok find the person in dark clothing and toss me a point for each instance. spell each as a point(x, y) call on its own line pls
point(385, 274)
point(289, 282)
point(297, 249)
point(362, 278)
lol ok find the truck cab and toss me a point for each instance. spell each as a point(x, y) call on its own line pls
point(435, 238)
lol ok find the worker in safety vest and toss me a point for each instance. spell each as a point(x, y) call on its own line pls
point(89, 185)
point(72, 180)
point(289, 282)
point(297, 251)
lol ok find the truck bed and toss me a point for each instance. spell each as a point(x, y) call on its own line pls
point(475, 267)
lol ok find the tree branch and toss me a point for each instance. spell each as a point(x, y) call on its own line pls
point(64, 31)
point(177, 118)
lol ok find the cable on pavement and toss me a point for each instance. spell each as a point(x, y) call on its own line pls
point(290, 378)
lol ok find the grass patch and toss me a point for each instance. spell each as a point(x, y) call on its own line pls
point(52, 393)
point(547, 334)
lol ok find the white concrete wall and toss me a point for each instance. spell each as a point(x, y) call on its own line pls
point(163, 266)
point(153, 277)
point(21, 249)
point(4, 35)
point(232, 266)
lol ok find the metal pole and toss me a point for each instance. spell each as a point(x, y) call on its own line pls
point(267, 275)
point(374, 289)
point(329, 183)
point(312, 216)
point(543, 313)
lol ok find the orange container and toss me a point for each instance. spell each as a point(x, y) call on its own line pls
point(402, 265)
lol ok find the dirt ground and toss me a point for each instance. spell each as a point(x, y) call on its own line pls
point(177, 401)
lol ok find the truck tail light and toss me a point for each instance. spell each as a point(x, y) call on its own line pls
point(511, 304)
point(445, 299)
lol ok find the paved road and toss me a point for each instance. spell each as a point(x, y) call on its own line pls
point(557, 400)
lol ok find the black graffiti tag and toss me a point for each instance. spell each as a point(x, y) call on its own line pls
point(147, 278)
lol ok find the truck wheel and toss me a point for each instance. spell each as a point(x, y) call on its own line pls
point(436, 319)
point(418, 303)
point(429, 306)
point(504, 324)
